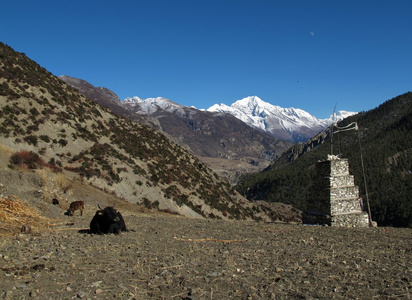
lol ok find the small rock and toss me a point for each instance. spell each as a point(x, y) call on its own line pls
point(98, 291)
point(21, 286)
point(39, 267)
point(81, 294)
point(96, 283)
point(33, 294)
point(47, 256)
point(25, 229)
point(7, 294)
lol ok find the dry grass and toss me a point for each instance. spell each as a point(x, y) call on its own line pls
point(6, 150)
point(55, 184)
point(17, 216)
point(63, 182)
point(5, 154)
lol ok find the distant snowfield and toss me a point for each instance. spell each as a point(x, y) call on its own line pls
point(149, 106)
point(252, 110)
point(256, 112)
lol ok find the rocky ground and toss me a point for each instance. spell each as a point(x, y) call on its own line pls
point(170, 257)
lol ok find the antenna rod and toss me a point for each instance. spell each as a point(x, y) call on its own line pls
point(331, 129)
point(331, 139)
point(364, 178)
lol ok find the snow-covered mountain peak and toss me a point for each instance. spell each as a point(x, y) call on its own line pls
point(157, 100)
point(287, 123)
point(257, 112)
point(151, 105)
point(252, 105)
point(343, 114)
point(274, 119)
point(251, 101)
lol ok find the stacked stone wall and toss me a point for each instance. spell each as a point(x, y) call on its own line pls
point(334, 198)
point(343, 207)
point(339, 167)
point(346, 180)
point(344, 192)
point(351, 220)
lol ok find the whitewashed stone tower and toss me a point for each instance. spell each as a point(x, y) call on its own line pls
point(335, 197)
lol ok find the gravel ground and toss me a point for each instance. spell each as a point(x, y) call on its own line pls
point(170, 257)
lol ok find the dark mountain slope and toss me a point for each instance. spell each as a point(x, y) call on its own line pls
point(220, 135)
point(101, 95)
point(60, 129)
point(228, 145)
point(104, 97)
point(386, 142)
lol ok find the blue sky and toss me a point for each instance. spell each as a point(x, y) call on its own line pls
point(305, 54)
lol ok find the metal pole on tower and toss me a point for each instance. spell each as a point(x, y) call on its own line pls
point(331, 129)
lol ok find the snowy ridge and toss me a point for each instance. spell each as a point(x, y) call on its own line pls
point(298, 123)
point(257, 113)
point(285, 123)
point(149, 106)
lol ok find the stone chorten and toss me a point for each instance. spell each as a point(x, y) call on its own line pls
point(334, 198)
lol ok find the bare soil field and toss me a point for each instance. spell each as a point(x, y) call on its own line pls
point(170, 257)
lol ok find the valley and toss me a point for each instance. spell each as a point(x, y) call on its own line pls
point(205, 150)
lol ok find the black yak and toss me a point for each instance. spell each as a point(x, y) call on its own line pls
point(107, 220)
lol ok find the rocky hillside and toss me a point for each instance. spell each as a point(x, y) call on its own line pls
point(48, 124)
point(384, 140)
point(104, 97)
point(226, 144)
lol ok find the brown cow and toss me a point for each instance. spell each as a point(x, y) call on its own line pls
point(76, 205)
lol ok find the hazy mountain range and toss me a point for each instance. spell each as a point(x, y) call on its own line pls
point(235, 140)
point(292, 124)
point(289, 124)
point(226, 144)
